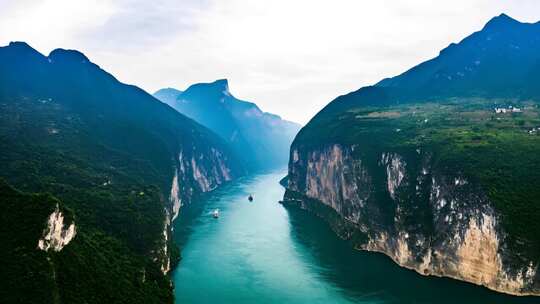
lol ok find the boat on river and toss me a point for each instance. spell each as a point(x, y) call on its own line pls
point(215, 214)
point(250, 198)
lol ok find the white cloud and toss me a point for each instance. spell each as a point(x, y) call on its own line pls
point(290, 57)
point(49, 24)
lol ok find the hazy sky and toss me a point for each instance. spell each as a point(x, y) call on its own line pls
point(291, 57)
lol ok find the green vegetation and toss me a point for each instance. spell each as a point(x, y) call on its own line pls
point(118, 214)
point(499, 151)
point(22, 221)
point(106, 151)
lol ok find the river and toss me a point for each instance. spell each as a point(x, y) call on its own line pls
point(261, 252)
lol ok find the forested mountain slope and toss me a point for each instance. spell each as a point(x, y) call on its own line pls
point(116, 165)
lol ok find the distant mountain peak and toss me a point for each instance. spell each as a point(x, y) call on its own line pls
point(222, 85)
point(62, 55)
point(168, 91)
point(218, 87)
point(167, 95)
point(22, 48)
point(505, 17)
point(499, 61)
point(19, 44)
point(263, 139)
point(501, 21)
point(221, 82)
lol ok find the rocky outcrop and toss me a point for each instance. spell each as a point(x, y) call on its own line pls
point(425, 219)
point(395, 171)
point(166, 256)
point(57, 233)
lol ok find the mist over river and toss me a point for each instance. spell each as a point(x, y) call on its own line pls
point(261, 252)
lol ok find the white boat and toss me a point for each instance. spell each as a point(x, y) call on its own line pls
point(215, 214)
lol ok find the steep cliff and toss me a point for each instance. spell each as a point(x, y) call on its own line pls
point(431, 221)
point(118, 159)
point(428, 170)
point(196, 172)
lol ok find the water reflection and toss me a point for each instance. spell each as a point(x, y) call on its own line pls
point(260, 252)
point(372, 276)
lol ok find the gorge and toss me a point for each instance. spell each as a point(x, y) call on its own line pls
point(261, 252)
point(421, 188)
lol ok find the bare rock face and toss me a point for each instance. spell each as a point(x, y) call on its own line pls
point(395, 171)
point(198, 171)
point(56, 235)
point(432, 222)
point(333, 177)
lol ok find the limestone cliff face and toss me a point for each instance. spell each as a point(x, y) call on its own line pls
point(197, 170)
point(56, 234)
point(401, 205)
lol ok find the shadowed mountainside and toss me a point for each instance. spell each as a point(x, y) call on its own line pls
point(262, 139)
point(119, 164)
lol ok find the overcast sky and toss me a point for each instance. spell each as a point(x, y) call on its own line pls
point(291, 57)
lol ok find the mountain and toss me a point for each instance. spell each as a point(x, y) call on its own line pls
point(93, 173)
point(499, 61)
point(262, 139)
point(439, 167)
point(167, 95)
point(504, 46)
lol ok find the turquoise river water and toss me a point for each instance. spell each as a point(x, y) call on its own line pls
point(261, 252)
